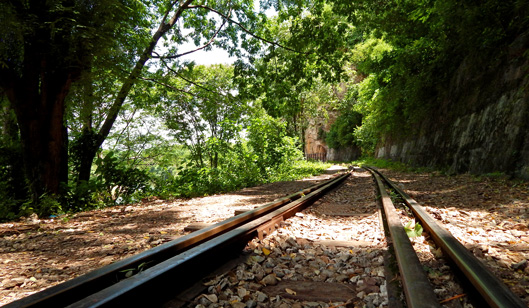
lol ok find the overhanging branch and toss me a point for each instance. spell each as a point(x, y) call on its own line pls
point(244, 29)
point(169, 86)
point(190, 81)
point(211, 40)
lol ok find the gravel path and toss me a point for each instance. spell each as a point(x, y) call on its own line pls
point(329, 255)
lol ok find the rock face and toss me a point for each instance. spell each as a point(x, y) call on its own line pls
point(483, 123)
point(315, 146)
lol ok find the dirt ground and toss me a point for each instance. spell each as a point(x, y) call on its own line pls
point(38, 253)
point(490, 216)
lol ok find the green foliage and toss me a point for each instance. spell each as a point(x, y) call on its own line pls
point(204, 114)
point(295, 83)
point(413, 231)
point(46, 205)
point(382, 164)
point(410, 50)
point(342, 130)
point(13, 187)
point(389, 164)
point(115, 182)
point(269, 142)
point(192, 181)
point(122, 183)
point(91, 47)
point(302, 169)
point(85, 195)
point(267, 155)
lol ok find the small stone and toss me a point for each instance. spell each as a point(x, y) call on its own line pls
point(244, 275)
point(279, 272)
point(258, 259)
point(241, 292)
point(106, 260)
point(517, 233)
point(204, 301)
point(261, 297)
point(238, 305)
point(212, 297)
point(254, 286)
point(11, 283)
point(383, 290)
point(269, 280)
point(520, 265)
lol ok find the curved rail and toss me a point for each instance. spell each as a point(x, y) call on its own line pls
point(492, 289)
point(173, 258)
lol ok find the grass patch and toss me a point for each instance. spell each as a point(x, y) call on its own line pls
point(382, 164)
point(301, 169)
point(392, 165)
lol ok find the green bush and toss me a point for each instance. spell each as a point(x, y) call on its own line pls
point(121, 183)
point(342, 131)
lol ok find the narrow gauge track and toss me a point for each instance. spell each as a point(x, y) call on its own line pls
point(175, 263)
point(418, 291)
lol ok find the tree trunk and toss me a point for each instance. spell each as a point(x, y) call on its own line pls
point(85, 162)
point(36, 82)
point(38, 99)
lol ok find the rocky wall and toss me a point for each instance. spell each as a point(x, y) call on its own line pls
point(315, 145)
point(482, 126)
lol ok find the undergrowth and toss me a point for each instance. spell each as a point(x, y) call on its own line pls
point(392, 165)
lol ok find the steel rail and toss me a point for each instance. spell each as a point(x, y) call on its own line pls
point(150, 286)
point(491, 288)
point(82, 286)
point(416, 286)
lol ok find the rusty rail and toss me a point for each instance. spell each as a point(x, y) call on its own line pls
point(417, 289)
point(491, 289)
point(73, 292)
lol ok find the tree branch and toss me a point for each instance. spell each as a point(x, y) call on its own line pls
point(211, 40)
point(170, 86)
point(138, 68)
point(190, 81)
point(244, 29)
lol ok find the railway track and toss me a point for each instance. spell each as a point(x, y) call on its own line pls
point(164, 273)
point(491, 291)
point(107, 285)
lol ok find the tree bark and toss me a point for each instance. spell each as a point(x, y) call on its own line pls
point(38, 99)
point(36, 79)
